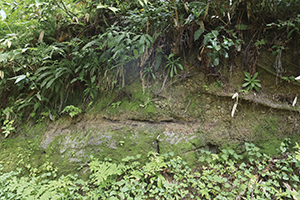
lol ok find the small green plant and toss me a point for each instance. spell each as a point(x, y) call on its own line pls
point(72, 110)
point(288, 79)
point(251, 82)
point(8, 127)
point(205, 87)
point(277, 49)
point(148, 71)
point(91, 88)
point(173, 64)
point(260, 42)
point(218, 84)
point(243, 91)
point(297, 152)
point(147, 103)
point(116, 104)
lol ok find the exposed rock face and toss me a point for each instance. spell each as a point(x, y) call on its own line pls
point(184, 118)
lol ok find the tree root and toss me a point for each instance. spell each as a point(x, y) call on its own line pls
point(256, 99)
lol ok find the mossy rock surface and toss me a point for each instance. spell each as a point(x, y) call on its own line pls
point(184, 118)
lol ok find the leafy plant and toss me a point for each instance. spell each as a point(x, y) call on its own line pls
point(146, 103)
point(291, 25)
point(297, 147)
point(277, 49)
point(8, 127)
point(217, 46)
point(251, 82)
point(172, 64)
point(260, 42)
point(226, 175)
point(148, 71)
point(218, 84)
point(205, 87)
point(116, 104)
point(288, 79)
point(105, 173)
point(72, 110)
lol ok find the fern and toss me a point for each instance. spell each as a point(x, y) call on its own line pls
point(297, 152)
point(105, 173)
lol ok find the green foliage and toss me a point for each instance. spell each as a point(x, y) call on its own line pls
point(72, 110)
point(172, 65)
point(219, 47)
point(8, 127)
point(146, 103)
point(105, 173)
point(8, 117)
point(226, 175)
point(116, 104)
point(251, 82)
point(277, 49)
point(148, 71)
point(260, 42)
point(291, 25)
point(297, 147)
point(288, 79)
point(197, 8)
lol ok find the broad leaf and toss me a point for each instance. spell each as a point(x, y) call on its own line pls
point(216, 61)
point(114, 9)
point(218, 47)
point(215, 33)
point(255, 75)
point(245, 84)
point(180, 66)
point(135, 53)
point(19, 78)
point(247, 76)
point(258, 84)
point(5, 56)
point(171, 73)
point(198, 33)
point(158, 61)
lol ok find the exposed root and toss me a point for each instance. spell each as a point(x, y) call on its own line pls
point(264, 102)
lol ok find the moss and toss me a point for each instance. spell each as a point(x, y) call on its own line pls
point(267, 136)
point(196, 142)
point(182, 146)
point(127, 145)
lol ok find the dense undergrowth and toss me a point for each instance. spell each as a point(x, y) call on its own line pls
point(226, 175)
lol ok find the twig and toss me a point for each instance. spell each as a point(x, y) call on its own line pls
point(143, 80)
point(158, 94)
point(245, 60)
point(163, 85)
point(176, 13)
point(65, 9)
point(187, 106)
